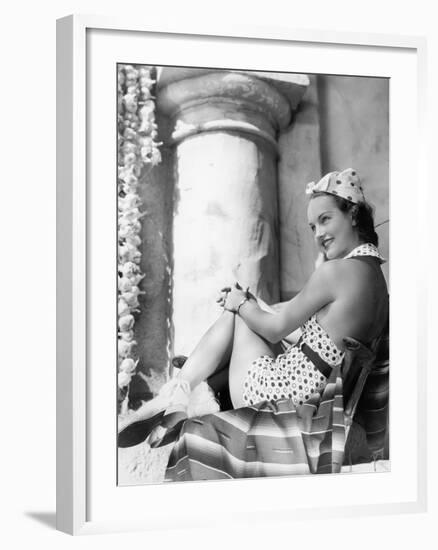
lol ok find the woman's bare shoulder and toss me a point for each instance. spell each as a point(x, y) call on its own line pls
point(344, 271)
point(332, 268)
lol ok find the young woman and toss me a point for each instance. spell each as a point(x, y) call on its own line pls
point(345, 296)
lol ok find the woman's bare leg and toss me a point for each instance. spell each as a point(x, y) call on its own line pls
point(227, 340)
point(212, 351)
point(247, 346)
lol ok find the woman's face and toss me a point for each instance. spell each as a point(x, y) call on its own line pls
point(332, 229)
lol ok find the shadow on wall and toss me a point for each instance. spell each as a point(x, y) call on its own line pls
point(153, 327)
point(354, 132)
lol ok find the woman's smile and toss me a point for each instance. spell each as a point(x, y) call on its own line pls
point(326, 243)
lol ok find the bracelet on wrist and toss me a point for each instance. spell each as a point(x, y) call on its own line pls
point(246, 299)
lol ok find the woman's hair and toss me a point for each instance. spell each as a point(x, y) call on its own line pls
point(362, 214)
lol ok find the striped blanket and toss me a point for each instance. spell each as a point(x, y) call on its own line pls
point(267, 439)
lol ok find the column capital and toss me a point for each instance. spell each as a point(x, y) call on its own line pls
point(204, 100)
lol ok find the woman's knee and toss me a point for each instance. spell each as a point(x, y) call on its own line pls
point(243, 332)
point(246, 339)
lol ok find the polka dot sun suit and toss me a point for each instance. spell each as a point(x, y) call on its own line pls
point(292, 375)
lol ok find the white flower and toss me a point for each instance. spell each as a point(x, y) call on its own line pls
point(129, 253)
point(131, 76)
point(130, 158)
point(146, 81)
point(148, 107)
point(129, 147)
point(130, 101)
point(134, 225)
point(127, 335)
point(136, 257)
point(151, 157)
point(125, 284)
point(127, 230)
point(146, 154)
point(129, 133)
point(131, 200)
point(123, 379)
point(131, 72)
point(123, 308)
point(128, 269)
point(131, 215)
point(133, 240)
point(135, 279)
point(128, 188)
point(128, 365)
point(146, 126)
point(124, 348)
point(126, 173)
point(131, 117)
point(126, 322)
point(131, 298)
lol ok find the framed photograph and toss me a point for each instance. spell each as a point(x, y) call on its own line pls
point(205, 178)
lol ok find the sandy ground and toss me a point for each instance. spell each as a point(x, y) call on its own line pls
point(140, 465)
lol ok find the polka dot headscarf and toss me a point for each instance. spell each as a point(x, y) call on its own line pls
point(345, 184)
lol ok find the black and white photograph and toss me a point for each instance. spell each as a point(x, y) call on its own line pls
point(252, 282)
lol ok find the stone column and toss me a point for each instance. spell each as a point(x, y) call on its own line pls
point(224, 125)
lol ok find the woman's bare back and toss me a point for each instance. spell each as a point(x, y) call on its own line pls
point(360, 307)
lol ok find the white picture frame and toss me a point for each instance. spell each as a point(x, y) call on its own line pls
point(88, 501)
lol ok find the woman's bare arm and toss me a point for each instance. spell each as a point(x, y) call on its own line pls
point(272, 308)
point(274, 326)
point(291, 338)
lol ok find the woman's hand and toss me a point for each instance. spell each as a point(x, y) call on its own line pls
point(223, 295)
point(232, 297)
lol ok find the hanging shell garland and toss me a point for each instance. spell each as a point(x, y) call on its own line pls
point(137, 147)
